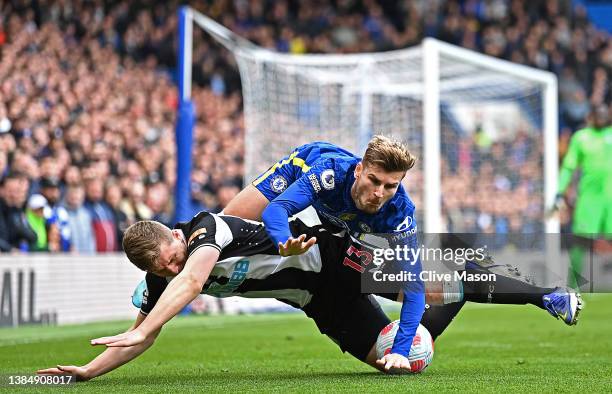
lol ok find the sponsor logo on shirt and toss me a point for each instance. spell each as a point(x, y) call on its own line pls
point(314, 182)
point(235, 280)
point(327, 179)
point(405, 234)
point(405, 225)
point(278, 184)
point(405, 229)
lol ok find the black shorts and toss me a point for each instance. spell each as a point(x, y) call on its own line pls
point(352, 323)
point(341, 311)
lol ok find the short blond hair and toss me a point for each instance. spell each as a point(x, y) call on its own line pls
point(142, 241)
point(388, 154)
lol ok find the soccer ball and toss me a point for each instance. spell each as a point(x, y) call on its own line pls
point(421, 351)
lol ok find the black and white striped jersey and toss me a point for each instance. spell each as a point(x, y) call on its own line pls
point(249, 264)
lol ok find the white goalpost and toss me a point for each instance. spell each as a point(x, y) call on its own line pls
point(452, 106)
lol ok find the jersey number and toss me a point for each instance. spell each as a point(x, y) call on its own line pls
point(364, 257)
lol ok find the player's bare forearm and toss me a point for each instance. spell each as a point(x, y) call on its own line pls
point(107, 361)
point(183, 289)
point(114, 357)
point(180, 292)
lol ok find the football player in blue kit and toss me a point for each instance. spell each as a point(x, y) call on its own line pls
point(363, 195)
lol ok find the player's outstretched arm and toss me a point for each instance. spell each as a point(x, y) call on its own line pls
point(180, 291)
point(413, 298)
point(105, 362)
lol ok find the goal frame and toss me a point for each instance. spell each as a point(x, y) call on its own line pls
point(431, 52)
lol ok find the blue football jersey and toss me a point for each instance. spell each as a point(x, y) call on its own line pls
point(322, 174)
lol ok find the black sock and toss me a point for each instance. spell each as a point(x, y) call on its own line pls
point(437, 317)
point(503, 290)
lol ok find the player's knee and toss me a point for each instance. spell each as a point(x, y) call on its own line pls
point(248, 204)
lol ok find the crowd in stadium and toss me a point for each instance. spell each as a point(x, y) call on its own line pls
point(87, 103)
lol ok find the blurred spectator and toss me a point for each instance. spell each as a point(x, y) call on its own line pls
point(14, 194)
point(47, 234)
point(226, 193)
point(114, 199)
point(5, 230)
point(158, 197)
point(133, 206)
point(102, 216)
point(55, 213)
point(79, 220)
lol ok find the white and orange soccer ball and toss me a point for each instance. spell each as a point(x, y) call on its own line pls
point(421, 352)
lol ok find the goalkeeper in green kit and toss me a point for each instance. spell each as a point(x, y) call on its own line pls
point(590, 150)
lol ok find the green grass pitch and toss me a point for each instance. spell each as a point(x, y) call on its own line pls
point(486, 349)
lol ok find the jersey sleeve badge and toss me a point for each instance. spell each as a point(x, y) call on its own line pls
point(327, 179)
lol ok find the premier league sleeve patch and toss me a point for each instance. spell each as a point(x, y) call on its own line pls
point(327, 179)
point(278, 184)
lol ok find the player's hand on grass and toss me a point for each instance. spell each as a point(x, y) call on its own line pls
point(394, 363)
point(80, 373)
point(130, 338)
point(295, 246)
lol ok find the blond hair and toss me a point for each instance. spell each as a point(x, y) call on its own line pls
point(141, 243)
point(388, 154)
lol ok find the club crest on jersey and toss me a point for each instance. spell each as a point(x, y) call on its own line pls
point(327, 179)
point(278, 184)
point(365, 227)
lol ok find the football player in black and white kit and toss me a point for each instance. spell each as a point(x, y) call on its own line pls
point(229, 256)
